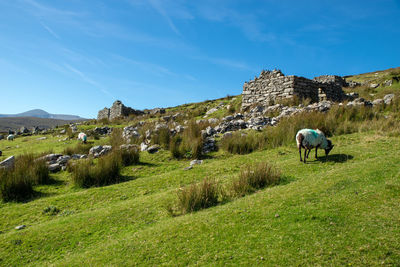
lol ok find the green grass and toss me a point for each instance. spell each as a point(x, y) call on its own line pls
point(341, 212)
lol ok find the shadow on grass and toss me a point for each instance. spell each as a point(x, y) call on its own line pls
point(338, 158)
point(147, 164)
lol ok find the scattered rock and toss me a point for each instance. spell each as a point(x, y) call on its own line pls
point(196, 162)
point(95, 150)
point(41, 138)
point(8, 163)
point(143, 147)
point(388, 99)
point(20, 227)
point(377, 102)
point(24, 130)
point(102, 130)
point(188, 168)
point(374, 85)
point(153, 149)
point(106, 149)
point(56, 167)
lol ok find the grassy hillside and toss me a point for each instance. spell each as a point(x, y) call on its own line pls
point(343, 211)
point(378, 77)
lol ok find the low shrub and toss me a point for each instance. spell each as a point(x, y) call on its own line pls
point(198, 196)
point(79, 148)
point(87, 174)
point(240, 143)
point(129, 156)
point(254, 177)
point(116, 139)
point(16, 183)
point(162, 137)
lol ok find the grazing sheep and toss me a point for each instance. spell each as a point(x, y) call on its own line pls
point(10, 137)
point(83, 137)
point(309, 139)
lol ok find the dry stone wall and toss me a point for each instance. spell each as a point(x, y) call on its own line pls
point(274, 85)
point(117, 110)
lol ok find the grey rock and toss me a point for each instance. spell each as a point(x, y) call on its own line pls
point(213, 121)
point(8, 163)
point(179, 129)
point(389, 83)
point(106, 149)
point(51, 157)
point(63, 159)
point(388, 98)
point(374, 85)
point(54, 167)
point(24, 130)
point(20, 227)
point(196, 162)
point(41, 138)
point(377, 102)
point(1, 137)
point(188, 168)
point(153, 149)
point(211, 111)
point(95, 149)
point(143, 147)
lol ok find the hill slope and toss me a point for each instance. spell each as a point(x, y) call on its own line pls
point(341, 212)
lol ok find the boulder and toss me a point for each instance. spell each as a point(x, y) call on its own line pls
point(377, 102)
point(106, 149)
point(95, 150)
point(196, 162)
point(24, 130)
point(56, 167)
point(143, 147)
point(153, 149)
point(388, 99)
point(374, 85)
point(63, 160)
point(51, 157)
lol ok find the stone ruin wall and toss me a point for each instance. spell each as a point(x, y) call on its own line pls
point(117, 110)
point(274, 85)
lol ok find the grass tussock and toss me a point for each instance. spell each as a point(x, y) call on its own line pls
point(79, 148)
point(116, 139)
point(129, 156)
point(86, 173)
point(254, 177)
point(162, 137)
point(189, 144)
point(16, 184)
point(198, 196)
point(241, 143)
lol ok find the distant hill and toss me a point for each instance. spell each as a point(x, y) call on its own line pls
point(15, 123)
point(39, 113)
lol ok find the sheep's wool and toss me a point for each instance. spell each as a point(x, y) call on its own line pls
point(313, 138)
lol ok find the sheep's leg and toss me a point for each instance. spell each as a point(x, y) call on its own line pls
point(300, 153)
point(308, 154)
point(316, 149)
point(305, 155)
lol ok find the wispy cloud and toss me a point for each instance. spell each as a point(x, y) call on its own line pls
point(44, 10)
point(88, 80)
point(225, 62)
point(47, 28)
point(157, 5)
point(154, 68)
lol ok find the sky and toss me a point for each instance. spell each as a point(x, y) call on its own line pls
point(77, 57)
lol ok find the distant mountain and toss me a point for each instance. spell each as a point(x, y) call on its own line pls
point(39, 113)
point(15, 123)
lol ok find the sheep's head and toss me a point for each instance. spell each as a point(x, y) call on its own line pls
point(329, 147)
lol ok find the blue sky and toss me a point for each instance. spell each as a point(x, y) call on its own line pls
point(76, 57)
